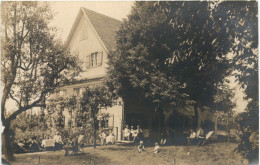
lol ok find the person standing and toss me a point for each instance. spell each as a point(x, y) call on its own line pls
point(58, 141)
point(127, 133)
point(67, 146)
point(103, 138)
point(139, 136)
point(132, 133)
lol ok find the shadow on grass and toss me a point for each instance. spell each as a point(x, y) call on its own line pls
point(126, 144)
point(116, 149)
point(79, 154)
point(60, 158)
point(96, 159)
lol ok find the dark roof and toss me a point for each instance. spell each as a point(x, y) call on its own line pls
point(105, 26)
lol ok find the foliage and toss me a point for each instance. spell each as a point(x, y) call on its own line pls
point(222, 99)
point(56, 105)
point(83, 111)
point(171, 52)
point(245, 49)
point(92, 101)
point(33, 62)
point(27, 126)
point(25, 121)
point(42, 119)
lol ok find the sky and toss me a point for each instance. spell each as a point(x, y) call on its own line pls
point(66, 12)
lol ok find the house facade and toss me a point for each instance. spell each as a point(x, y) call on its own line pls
point(92, 38)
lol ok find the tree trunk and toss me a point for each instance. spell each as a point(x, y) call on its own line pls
point(216, 124)
point(6, 144)
point(94, 126)
point(197, 121)
point(160, 129)
point(161, 125)
point(228, 129)
point(95, 136)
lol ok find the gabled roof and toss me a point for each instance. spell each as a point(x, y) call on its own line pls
point(104, 26)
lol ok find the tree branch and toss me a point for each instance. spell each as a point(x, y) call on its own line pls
point(22, 109)
point(36, 103)
point(14, 99)
point(26, 34)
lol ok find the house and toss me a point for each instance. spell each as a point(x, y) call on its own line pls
point(92, 38)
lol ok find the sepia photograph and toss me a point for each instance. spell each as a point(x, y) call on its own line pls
point(129, 83)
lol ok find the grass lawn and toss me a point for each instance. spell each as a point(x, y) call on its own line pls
point(215, 153)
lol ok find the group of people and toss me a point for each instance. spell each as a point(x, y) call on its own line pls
point(198, 136)
point(133, 135)
point(74, 144)
point(104, 139)
point(70, 143)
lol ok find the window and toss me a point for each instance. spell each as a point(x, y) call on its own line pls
point(94, 60)
point(104, 123)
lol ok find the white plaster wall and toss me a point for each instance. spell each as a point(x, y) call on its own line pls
point(86, 47)
point(115, 118)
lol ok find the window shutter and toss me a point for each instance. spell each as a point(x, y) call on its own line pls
point(88, 61)
point(100, 58)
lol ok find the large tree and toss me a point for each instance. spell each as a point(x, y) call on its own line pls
point(33, 62)
point(171, 52)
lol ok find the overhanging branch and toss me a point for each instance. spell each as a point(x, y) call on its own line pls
point(14, 99)
point(37, 103)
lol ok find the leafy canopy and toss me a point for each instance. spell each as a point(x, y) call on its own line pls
point(171, 52)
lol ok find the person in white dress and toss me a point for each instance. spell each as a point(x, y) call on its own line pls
point(127, 133)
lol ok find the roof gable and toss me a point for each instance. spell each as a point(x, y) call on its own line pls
point(104, 26)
